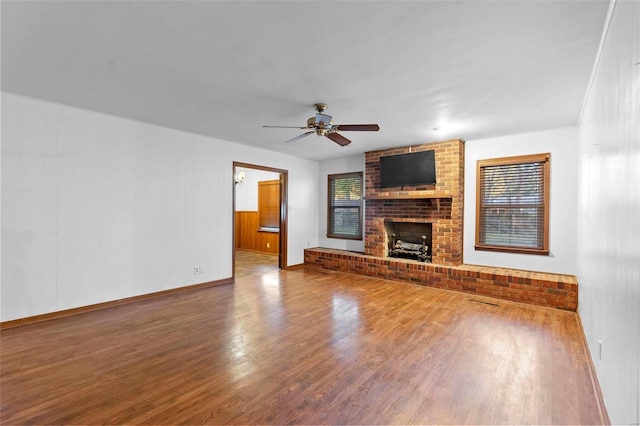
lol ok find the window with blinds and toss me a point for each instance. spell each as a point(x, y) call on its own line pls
point(269, 204)
point(345, 206)
point(512, 207)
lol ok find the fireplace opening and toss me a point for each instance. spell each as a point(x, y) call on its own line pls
point(409, 240)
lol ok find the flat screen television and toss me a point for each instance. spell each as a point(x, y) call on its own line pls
point(417, 168)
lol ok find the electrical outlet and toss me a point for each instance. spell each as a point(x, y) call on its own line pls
point(600, 349)
point(196, 269)
point(268, 245)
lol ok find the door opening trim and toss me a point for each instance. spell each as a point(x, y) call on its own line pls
point(284, 183)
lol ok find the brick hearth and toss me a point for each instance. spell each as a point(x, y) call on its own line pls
point(536, 288)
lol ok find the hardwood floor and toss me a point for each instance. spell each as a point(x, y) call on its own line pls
point(301, 346)
point(251, 263)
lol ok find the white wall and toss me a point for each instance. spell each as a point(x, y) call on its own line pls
point(562, 144)
point(97, 208)
point(247, 191)
point(330, 167)
point(609, 214)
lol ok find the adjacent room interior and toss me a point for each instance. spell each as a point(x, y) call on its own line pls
point(266, 212)
point(257, 218)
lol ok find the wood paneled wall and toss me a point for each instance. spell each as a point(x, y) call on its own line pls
point(249, 238)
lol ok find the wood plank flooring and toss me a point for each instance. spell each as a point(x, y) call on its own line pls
point(252, 263)
point(301, 347)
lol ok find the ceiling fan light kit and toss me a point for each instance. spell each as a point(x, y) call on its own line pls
point(322, 125)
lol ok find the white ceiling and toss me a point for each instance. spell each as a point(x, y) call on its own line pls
point(225, 68)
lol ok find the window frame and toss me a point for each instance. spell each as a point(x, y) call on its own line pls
point(516, 160)
point(268, 204)
point(331, 232)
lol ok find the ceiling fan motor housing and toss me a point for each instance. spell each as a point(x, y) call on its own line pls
point(321, 123)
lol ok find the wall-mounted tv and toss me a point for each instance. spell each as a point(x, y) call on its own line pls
point(417, 168)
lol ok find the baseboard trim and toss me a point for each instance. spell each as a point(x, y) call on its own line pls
point(104, 305)
point(602, 407)
point(257, 251)
point(297, 266)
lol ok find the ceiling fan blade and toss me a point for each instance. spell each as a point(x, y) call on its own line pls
point(358, 127)
point(338, 138)
point(301, 136)
point(286, 127)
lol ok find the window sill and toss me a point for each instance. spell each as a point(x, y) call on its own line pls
point(345, 237)
point(267, 229)
point(519, 250)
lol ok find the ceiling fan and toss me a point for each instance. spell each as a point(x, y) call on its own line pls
point(322, 125)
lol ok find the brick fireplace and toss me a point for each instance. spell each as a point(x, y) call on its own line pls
point(438, 205)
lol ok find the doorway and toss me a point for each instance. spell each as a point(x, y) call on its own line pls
point(259, 215)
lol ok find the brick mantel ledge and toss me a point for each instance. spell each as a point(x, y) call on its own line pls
point(537, 288)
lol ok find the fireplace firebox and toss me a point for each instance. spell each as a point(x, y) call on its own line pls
point(408, 240)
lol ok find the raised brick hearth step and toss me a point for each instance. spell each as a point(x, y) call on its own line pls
point(536, 288)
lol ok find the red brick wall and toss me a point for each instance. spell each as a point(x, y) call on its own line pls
point(444, 210)
point(536, 288)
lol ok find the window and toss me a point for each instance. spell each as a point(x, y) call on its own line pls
point(512, 208)
point(345, 206)
point(269, 204)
